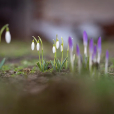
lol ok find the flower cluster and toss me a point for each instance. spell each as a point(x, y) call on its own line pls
point(92, 57)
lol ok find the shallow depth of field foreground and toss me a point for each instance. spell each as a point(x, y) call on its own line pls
point(53, 79)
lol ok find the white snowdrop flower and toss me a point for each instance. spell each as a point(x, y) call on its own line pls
point(8, 37)
point(32, 45)
point(61, 48)
point(53, 49)
point(57, 44)
point(38, 46)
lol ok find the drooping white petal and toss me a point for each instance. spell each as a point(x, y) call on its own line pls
point(32, 46)
point(61, 48)
point(38, 46)
point(57, 44)
point(8, 37)
point(53, 49)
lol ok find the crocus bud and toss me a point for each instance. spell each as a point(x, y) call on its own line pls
point(79, 58)
point(71, 52)
point(38, 46)
point(7, 36)
point(99, 45)
point(94, 54)
point(78, 50)
point(32, 45)
point(85, 42)
point(91, 46)
point(57, 43)
point(61, 47)
point(85, 38)
point(106, 62)
point(70, 44)
point(99, 49)
point(53, 49)
point(90, 53)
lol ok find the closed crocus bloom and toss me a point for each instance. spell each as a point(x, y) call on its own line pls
point(94, 54)
point(57, 43)
point(38, 46)
point(78, 50)
point(70, 44)
point(85, 38)
point(85, 42)
point(90, 53)
point(99, 49)
point(79, 58)
point(91, 46)
point(8, 36)
point(32, 45)
point(53, 49)
point(106, 62)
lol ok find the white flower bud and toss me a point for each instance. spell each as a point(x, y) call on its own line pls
point(53, 49)
point(61, 48)
point(8, 37)
point(57, 44)
point(32, 45)
point(38, 46)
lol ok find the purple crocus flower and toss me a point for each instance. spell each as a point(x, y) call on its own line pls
point(91, 46)
point(70, 43)
point(107, 55)
point(85, 38)
point(99, 45)
point(94, 53)
point(71, 52)
point(78, 50)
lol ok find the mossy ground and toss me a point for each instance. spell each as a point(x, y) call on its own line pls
point(26, 90)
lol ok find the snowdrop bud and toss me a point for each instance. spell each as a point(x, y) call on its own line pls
point(53, 49)
point(38, 46)
point(8, 36)
point(33, 45)
point(61, 48)
point(57, 44)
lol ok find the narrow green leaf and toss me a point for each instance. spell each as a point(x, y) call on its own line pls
point(39, 66)
point(2, 62)
point(63, 62)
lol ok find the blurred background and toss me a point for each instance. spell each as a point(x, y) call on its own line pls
point(46, 18)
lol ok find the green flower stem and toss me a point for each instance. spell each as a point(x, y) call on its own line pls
point(62, 58)
point(2, 29)
point(42, 48)
point(67, 58)
point(39, 57)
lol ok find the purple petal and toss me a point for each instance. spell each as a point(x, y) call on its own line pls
point(94, 52)
point(85, 38)
point(77, 50)
point(107, 55)
point(99, 45)
point(70, 43)
point(91, 46)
